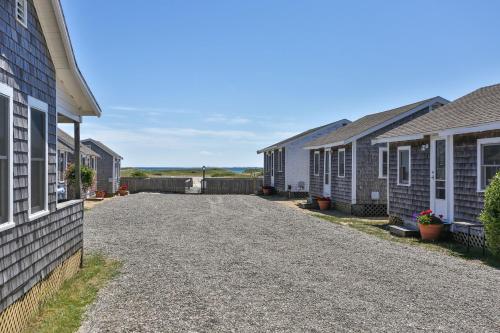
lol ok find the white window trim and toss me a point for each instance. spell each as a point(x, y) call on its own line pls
point(338, 163)
point(43, 107)
point(24, 20)
point(8, 92)
point(381, 151)
point(480, 143)
point(408, 148)
point(314, 163)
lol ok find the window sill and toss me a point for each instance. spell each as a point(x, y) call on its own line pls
point(68, 203)
point(38, 215)
point(7, 226)
point(405, 185)
point(382, 177)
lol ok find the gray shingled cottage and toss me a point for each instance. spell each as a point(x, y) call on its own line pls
point(346, 167)
point(445, 159)
point(108, 166)
point(40, 86)
point(66, 157)
point(286, 163)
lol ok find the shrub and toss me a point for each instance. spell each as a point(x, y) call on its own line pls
point(491, 215)
point(87, 177)
point(138, 173)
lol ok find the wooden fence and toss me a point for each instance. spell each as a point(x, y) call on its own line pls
point(157, 184)
point(232, 185)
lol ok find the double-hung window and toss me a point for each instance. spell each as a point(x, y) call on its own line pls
point(38, 158)
point(488, 152)
point(22, 12)
point(6, 139)
point(383, 162)
point(341, 163)
point(404, 166)
point(316, 163)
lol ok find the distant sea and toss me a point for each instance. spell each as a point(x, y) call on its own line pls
point(233, 169)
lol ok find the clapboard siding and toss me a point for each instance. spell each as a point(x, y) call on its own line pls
point(341, 188)
point(404, 201)
point(468, 202)
point(104, 168)
point(30, 250)
point(316, 182)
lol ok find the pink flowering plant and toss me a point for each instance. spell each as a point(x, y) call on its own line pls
point(428, 217)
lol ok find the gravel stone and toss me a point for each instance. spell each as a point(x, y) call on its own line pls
point(200, 263)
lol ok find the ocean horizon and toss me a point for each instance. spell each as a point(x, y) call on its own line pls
point(233, 169)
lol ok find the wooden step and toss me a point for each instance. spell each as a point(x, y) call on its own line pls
point(403, 231)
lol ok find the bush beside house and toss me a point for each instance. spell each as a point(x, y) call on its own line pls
point(491, 215)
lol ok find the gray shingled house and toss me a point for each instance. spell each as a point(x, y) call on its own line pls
point(346, 167)
point(108, 166)
point(66, 157)
point(40, 86)
point(445, 159)
point(286, 163)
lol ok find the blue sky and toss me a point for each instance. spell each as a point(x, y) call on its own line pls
point(190, 83)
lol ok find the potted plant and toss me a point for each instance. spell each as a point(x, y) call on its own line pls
point(100, 194)
point(123, 190)
point(267, 190)
point(324, 203)
point(430, 225)
point(87, 179)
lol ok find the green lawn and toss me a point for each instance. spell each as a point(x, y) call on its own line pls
point(63, 312)
point(378, 228)
point(194, 172)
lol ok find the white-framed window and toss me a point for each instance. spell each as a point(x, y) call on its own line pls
point(22, 12)
point(341, 163)
point(488, 161)
point(404, 165)
point(38, 186)
point(280, 160)
point(6, 157)
point(316, 163)
point(383, 162)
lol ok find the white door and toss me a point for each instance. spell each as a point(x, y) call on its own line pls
point(439, 195)
point(327, 174)
point(272, 168)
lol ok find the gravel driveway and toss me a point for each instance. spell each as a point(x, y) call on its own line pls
point(195, 263)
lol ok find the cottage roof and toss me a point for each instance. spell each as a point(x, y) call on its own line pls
point(103, 147)
point(69, 144)
point(371, 123)
point(301, 135)
point(473, 112)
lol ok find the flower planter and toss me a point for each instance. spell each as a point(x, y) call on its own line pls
point(430, 231)
point(324, 204)
point(100, 194)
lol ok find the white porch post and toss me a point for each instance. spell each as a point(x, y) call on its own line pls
point(451, 178)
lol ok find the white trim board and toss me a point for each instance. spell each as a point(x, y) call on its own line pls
point(8, 92)
point(338, 163)
point(43, 107)
point(354, 172)
point(381, 150)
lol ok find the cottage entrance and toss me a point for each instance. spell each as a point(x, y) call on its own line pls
point(272, 168)
point(439, 193)
point(326, 179)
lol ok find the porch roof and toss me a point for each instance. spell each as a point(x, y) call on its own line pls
point(103, 147)
point(474, 112)
point(69, 144)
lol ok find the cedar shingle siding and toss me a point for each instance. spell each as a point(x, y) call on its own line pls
point(104, 169)
point(30, 250)
point(404, 201)
point(341, 187)
point(279, 176)
point(468, 202)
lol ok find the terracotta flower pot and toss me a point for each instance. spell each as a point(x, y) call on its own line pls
point(324, 204)
point(430, 231)
point(267, 191)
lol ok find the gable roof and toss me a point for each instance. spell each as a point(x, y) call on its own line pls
point(69, 142)
point(473, 112)
point(301, 135)
point(371, 123)
point(103, 147)
point(68, 75)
